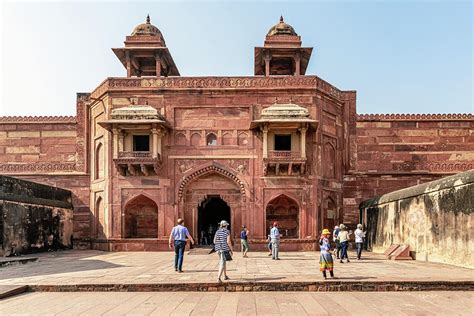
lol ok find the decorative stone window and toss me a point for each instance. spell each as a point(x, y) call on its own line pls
point(137, 132)
point(211, 139)
point(284, 128)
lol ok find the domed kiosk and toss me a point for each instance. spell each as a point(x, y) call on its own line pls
point(145, 53)
point(282, 53)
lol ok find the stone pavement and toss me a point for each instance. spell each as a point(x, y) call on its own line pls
point(96, 267)
point(243, 303)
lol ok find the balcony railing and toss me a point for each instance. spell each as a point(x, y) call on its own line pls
point(284, 155)
point(134, 154)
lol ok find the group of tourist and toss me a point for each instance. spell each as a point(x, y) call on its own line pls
point(223, 245)
point(341, 237)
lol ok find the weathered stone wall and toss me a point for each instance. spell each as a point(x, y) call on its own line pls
point(398, 151)
point(33, 217)
point(434, 219)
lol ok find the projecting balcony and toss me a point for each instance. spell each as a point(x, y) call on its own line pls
point(284, 162)
point(137, 163)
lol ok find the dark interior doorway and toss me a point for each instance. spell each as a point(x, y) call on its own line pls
point(210, 212)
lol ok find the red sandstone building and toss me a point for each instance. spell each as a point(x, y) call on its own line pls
point(148, 148)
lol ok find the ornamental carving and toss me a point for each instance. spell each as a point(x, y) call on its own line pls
point(38, 167)
point(239, 165)
point(219, 83)
point(415, 117)
point(38, 119)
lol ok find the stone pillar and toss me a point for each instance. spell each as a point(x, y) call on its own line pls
point(158, 65)
point(156, 142)
point(297, 64)
point(129, 64)
point(120, 142)
point(265, 141)
point(303, 141)
point(115, 133)
point(267, 59)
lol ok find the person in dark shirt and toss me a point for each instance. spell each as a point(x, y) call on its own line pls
point(244, 233)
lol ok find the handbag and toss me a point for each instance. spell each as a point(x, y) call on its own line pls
point(227, 256)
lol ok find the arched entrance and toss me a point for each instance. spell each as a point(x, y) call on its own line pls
point(211, 211)
point(141, 218)
point(285, 211)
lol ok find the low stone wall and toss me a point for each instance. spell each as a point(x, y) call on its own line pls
point(33, 217)
point(435, 219)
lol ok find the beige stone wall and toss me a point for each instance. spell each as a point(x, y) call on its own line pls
point(437, 224)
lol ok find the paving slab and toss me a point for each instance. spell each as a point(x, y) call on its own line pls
point(254, 303)
point(153, 271)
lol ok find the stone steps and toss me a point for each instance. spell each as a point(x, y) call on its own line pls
point(321, 286)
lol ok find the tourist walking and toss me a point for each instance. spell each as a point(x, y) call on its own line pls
point(275, 239)
point(178, 234)
point(222, 245)
point(325, 258)
point(359, 240)
point(337, 250)
point(343, 238)
point(244, 242)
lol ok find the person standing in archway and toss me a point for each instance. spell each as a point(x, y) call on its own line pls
point(222, 245)
point(178, 234)
point(275, 238)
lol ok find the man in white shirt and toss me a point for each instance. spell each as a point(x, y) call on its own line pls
point(359, 239)
point(275, 239)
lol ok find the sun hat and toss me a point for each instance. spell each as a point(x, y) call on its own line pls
point(326, 231)
point(223, 223)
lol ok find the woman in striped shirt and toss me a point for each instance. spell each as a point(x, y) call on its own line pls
point(221, 245)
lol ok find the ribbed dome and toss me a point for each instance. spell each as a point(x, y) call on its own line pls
point(146, 29)
point(282, 29)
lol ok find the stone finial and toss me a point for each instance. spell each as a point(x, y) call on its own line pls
point(148, 19)
point(276, 100)
point(281, 18)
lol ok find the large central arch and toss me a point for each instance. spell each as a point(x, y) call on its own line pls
point(211, 180)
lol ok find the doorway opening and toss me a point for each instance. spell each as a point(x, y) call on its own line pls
point(210, 212)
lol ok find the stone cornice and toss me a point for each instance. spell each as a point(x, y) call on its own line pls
point(37, 119)
point(218, 83)
point(416, 117)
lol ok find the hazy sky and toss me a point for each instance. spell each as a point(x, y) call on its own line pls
point(400, 56)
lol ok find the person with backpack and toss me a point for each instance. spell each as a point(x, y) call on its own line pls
point(244, 233)
point(325, 258)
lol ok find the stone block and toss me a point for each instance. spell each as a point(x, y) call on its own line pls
point(20, 134)
point(23, 150)
point(61, 133)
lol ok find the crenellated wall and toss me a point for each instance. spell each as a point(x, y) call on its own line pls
point(395, 151)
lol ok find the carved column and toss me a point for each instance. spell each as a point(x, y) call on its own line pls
point(158, 65)
point(303, 141)
point(129, 64)
point(115, 133)
point(156, 142)
point(265, 141)
point(120, 142)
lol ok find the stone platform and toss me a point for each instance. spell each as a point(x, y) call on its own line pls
point(296, 271)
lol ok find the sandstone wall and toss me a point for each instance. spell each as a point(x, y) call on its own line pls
point(434, 219)
point(399, 151)
point(33, 217)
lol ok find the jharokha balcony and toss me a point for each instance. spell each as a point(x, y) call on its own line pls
point(136, 163)
point(283, 162)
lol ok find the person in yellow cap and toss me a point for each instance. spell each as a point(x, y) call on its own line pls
point(325, 258)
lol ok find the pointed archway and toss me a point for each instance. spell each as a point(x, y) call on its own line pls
point(285, 211)
point(141, 218)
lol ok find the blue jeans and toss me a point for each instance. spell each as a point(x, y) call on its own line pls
point(179, 246)
point(359, 249)
point(344, 245)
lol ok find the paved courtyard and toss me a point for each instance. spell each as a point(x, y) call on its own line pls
point(96, 267)
point(261, 303)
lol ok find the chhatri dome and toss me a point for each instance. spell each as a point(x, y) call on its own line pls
point(282, 28)
point(146, 29)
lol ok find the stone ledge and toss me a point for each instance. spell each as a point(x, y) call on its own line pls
point(322, 286)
